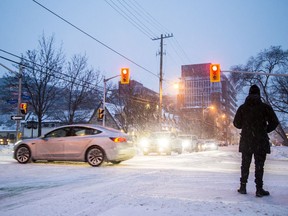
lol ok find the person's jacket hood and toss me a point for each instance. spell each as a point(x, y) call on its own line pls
point(253, 99)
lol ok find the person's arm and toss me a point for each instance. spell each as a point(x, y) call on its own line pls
point(272, 120)
point(238, 118)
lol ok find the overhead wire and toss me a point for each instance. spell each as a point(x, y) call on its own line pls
point(95, 39)
point(156, 24)
point(134, 17)
point(160, 28)
point(83, 83)
point(55, 74)
point(134, 13)
point(122, 12)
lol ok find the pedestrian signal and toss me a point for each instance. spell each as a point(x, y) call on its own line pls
point(215, 73)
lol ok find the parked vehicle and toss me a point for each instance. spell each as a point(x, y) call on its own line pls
point(161, 142)
point(189, 142)
point(88, 143)
point(223, 143)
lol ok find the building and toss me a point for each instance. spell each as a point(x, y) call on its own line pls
point(137, 88)
point(206, 104)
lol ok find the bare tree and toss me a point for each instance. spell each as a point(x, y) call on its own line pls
point(138, 110)
point(80, 91)
point(274, 89)
point(42, 75)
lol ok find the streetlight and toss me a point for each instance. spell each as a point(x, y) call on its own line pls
point(104, 97)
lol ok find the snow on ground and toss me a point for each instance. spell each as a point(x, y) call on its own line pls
point(202, 183)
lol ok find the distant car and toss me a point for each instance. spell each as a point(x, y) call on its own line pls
point(189, 142)
point(3, 140)
point(223, 143)
point(161, 142)
point(209, 145)
point(88, 143)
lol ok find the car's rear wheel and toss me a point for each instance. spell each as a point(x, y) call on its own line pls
point(23, 154)
point(95, 156)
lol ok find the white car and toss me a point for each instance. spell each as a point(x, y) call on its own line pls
point(161, 142)
point(88, 143)
point(209, 145)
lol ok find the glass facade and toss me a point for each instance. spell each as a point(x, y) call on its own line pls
point(198, 90)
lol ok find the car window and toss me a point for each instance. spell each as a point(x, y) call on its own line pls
point(62, 132)
point(83, 131)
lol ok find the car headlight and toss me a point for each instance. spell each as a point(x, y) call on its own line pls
point(163, 142)
point(185, 143)
point(144, 142)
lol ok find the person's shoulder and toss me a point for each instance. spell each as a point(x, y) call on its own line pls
point(241, 107)
point(266, 105)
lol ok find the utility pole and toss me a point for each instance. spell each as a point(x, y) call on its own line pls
point(19, 99)
point(161, 74)
point(19, 94)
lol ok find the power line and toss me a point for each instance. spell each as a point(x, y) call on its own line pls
point(83, 84)
point(95, 39)
point(150, 18)
point(126, 16)
point(135, 13)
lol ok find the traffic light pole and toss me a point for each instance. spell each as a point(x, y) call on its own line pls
point(19, 74)
point(19, 100)
point(256, 73)
point(104, 97)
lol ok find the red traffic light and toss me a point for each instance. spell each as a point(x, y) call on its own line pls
point(23, 108)
point(125, 76)
point(215, 73)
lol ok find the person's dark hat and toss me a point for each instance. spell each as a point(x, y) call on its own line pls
point(254, 89)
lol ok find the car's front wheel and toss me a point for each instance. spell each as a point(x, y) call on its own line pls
point(95, 156)
point(23, 154)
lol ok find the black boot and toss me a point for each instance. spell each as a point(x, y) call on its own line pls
point(242, 189)
point(260, 192)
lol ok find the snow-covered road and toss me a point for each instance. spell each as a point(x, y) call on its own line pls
point(202, 183)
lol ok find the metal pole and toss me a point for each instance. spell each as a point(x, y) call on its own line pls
point(104, 100)
point(160, 81)
point(161, 75)
point(256, 73)
point(19, 94)
point(104, 97)
point(19, 101)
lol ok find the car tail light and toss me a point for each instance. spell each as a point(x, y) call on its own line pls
point(118, 139)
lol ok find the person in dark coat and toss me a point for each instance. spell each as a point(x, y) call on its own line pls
point(256, 119)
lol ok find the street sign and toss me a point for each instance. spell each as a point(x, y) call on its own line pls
point(17, 117)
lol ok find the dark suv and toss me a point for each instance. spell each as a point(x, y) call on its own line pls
point(161, 142)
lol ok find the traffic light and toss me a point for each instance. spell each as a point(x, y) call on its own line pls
point(125, 76)
point(215, 72)
point(100, 114)
point(23, 108)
